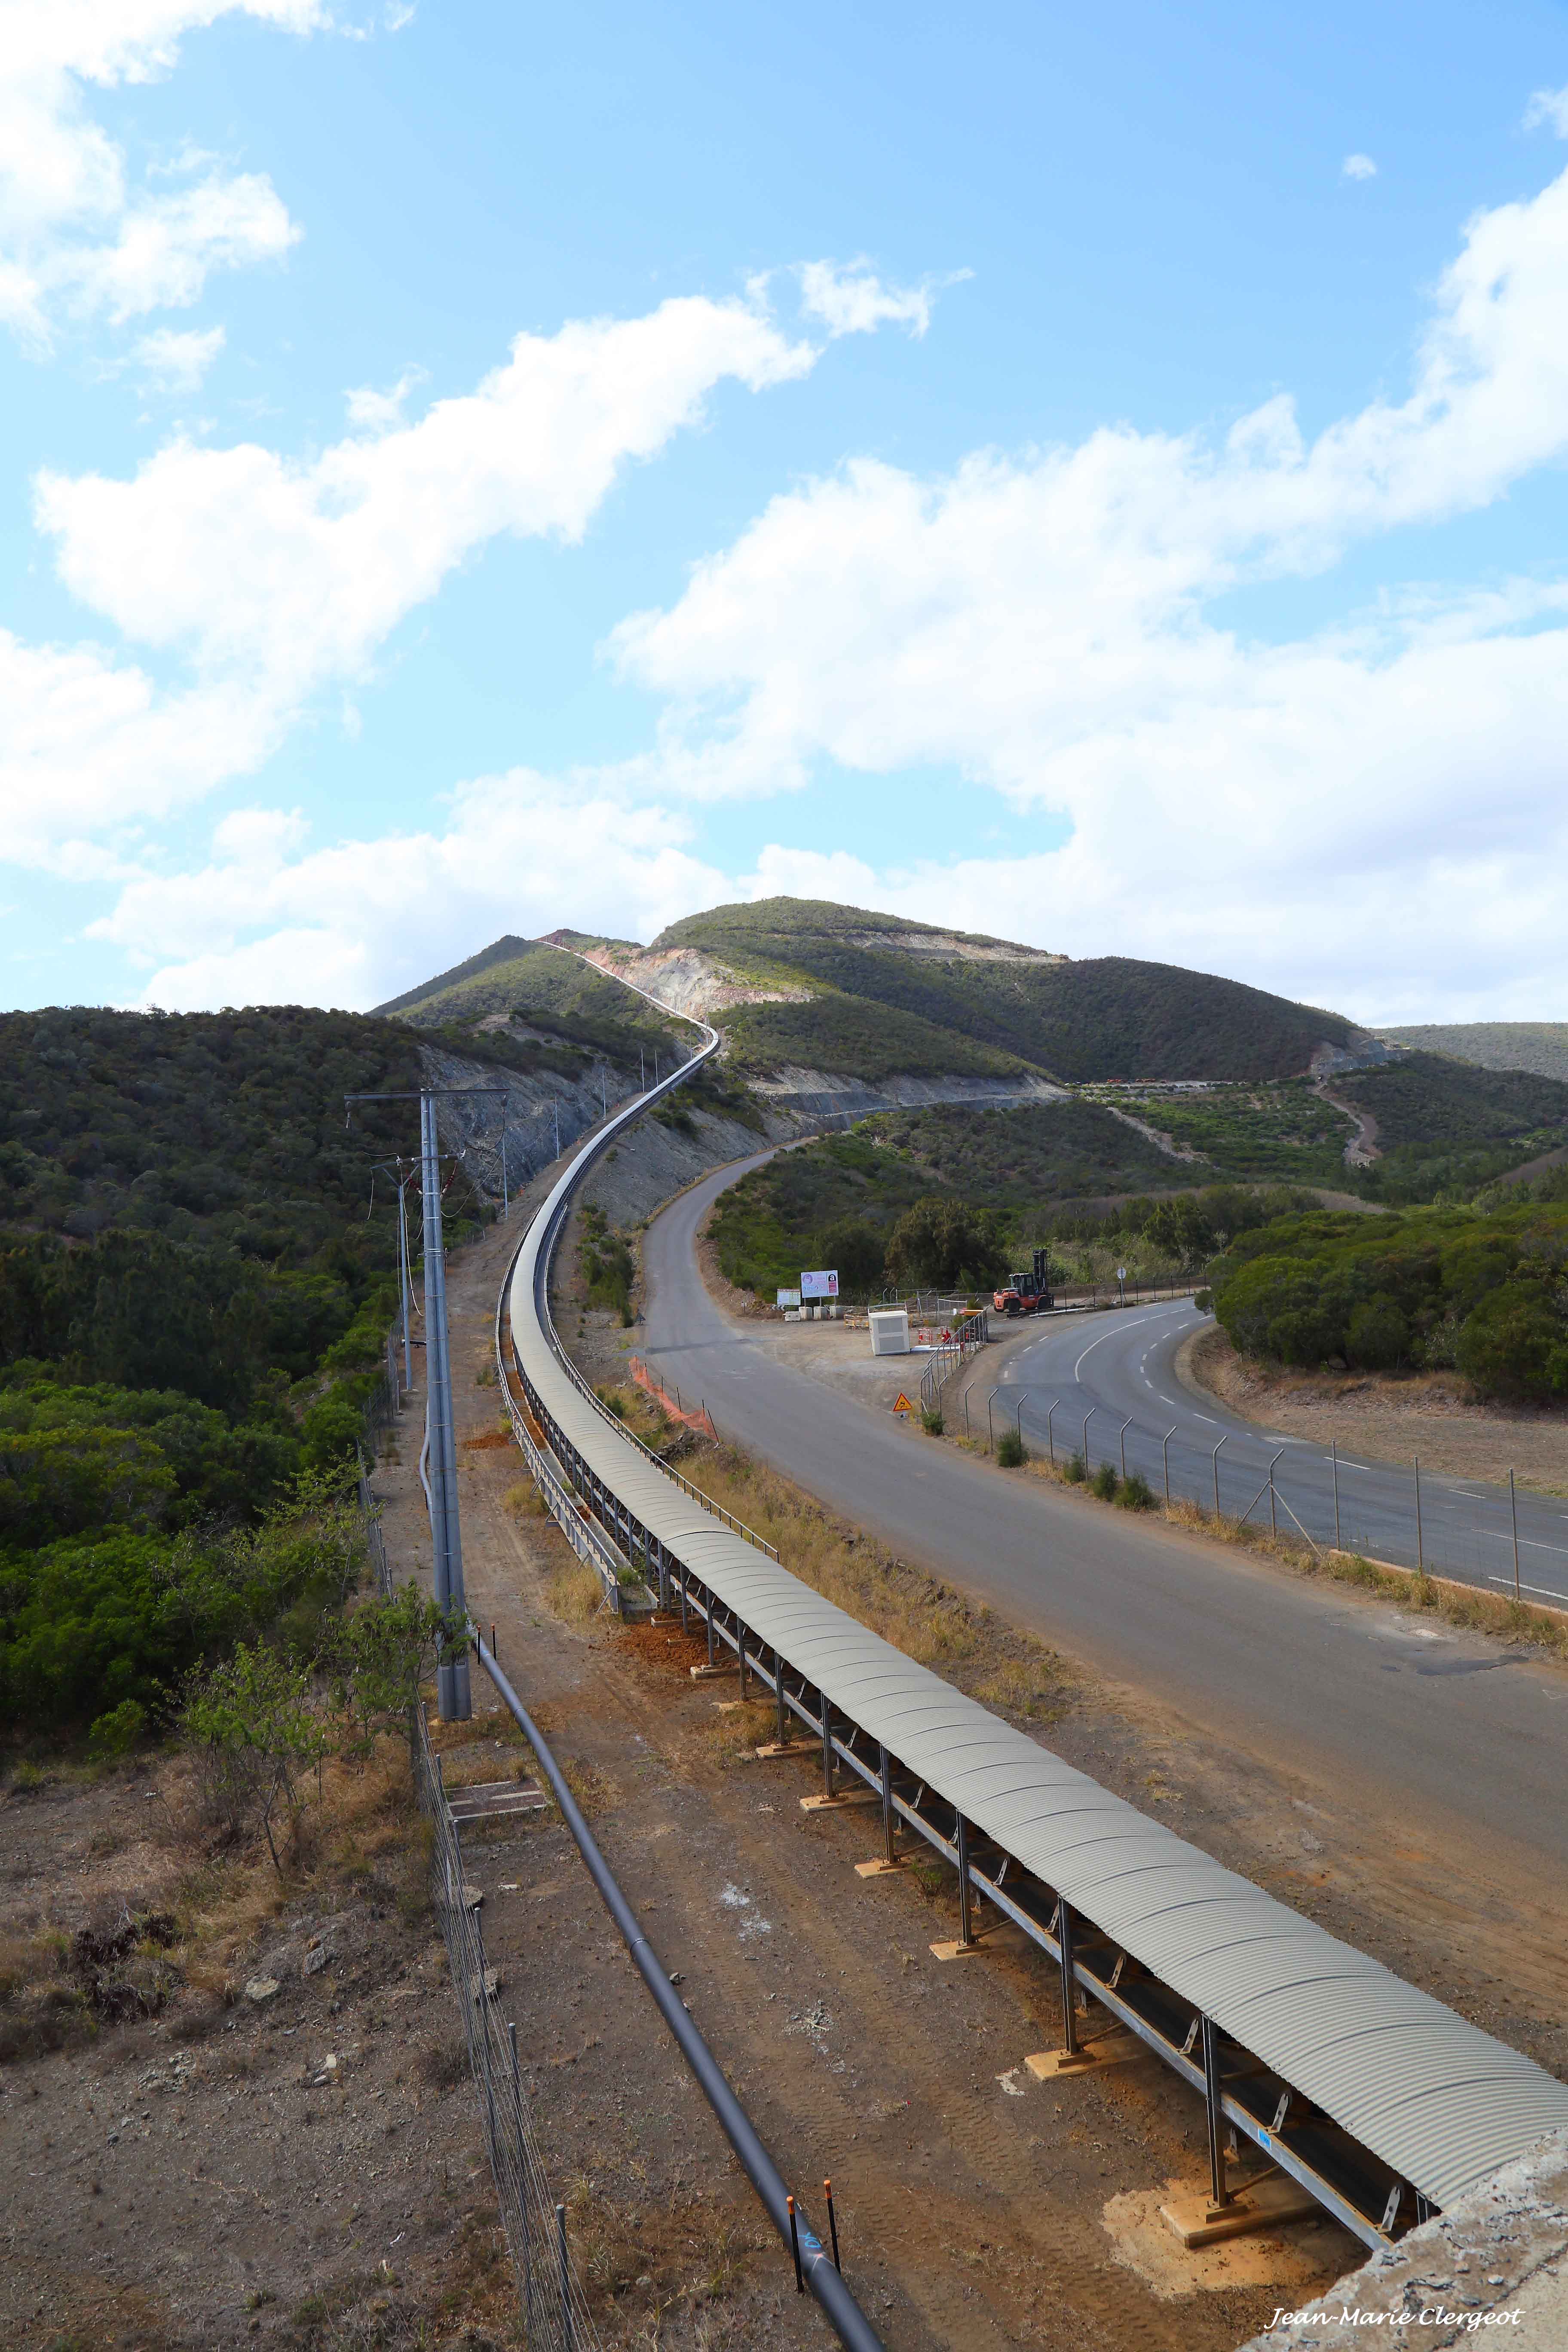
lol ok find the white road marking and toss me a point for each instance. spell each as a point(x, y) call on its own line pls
point(1544, 1591)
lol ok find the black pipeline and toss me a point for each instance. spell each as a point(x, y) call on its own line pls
point(815, 2264)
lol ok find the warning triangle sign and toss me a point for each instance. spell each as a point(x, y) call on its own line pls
point(901, 1403)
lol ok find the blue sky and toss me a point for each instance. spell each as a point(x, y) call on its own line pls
point(476, 469)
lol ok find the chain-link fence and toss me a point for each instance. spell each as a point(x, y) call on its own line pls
point(554, 2308)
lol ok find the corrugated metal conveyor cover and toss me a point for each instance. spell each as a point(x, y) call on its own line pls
point(1439, 2101)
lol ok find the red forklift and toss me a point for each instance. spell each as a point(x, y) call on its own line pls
point(1027, 1293)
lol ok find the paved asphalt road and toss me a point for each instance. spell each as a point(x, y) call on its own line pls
point(1348, 1692)
point(1118, 1368)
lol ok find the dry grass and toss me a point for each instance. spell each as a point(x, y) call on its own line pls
point(524, 1501)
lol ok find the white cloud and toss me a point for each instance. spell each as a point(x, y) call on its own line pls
point(170, 360)
point(380, 412)
point(91, 751)
point(75, 237)
point(1548, 107)
point(361, 920)
point(279, 578)
point(850, 298)
point(1038, 624)
point(293, 573)
point(1358, 167)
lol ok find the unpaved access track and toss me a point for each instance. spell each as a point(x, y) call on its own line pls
point(972, 2200)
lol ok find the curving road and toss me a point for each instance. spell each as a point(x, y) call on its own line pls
point(1349, 1693)
point(1118, 1370)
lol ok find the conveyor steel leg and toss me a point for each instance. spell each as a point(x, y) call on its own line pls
point(1069, 1982)
point(1219, 2193)
point(778, 1695)
point(826, 1705)
point(966, 1939)
point(889, 1819)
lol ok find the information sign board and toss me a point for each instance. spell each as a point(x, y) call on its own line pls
point(820, 1285)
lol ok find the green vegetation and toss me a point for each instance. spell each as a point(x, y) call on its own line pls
point(1107, 1017)
point(192, 1305)
point(1538, 1045)
point(1444, 1127)
point(842, 1199)
point(856, 1039)
point(1284, 1130)
point(568, 1014)
point(105, 1622)
point(1485, 1293)
point(606, 1265)
point(1010, 1450)
point(945, 1243)
point(1067, 1150)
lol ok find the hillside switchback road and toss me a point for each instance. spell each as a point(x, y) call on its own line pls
point(1413, 1719)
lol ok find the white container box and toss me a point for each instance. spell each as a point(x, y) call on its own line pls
point(890, 1331)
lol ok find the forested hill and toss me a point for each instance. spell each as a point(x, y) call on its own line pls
point(1105, 1017)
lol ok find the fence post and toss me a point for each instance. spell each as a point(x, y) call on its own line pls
point(1089, 1416)
point(1222, 1441)
point(1334, 1458)
point(1513, 1513)
point(990, 1432)
point(1125, 1427)
point(565, 2277)
point(1420, 1545)
point(1051, 1440)
point(1273, 1513)
point(522, 2188)
point(1165, 1454)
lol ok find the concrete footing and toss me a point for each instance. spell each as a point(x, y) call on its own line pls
point(1262, 2205)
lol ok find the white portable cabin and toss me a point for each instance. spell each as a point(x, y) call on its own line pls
point(890, 1331)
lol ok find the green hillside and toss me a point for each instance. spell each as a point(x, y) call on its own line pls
point(1106, 1017)
point(1448, 1126)
point(1009, 1177)
point(853, 1037)
point(549, 992)
point(1538, 1045)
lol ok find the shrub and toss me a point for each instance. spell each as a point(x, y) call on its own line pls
point(1010, 1452)
point(1515, 1343)
point(1378, 1336)
point(1136, 1494)
point(1105, 1482)
point(932, 1422)
point(1073, 1470)
point(117, 1733)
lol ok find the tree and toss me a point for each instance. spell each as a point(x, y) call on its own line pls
point(1378, 1338)
point(1515, 1343)
point(945, 1243)
point(854, 1247)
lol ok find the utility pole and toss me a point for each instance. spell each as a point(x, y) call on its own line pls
point(454, 1698)
point(403, 1172)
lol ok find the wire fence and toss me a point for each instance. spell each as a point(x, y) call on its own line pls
point(553, 2308)
point(1398, 1512)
